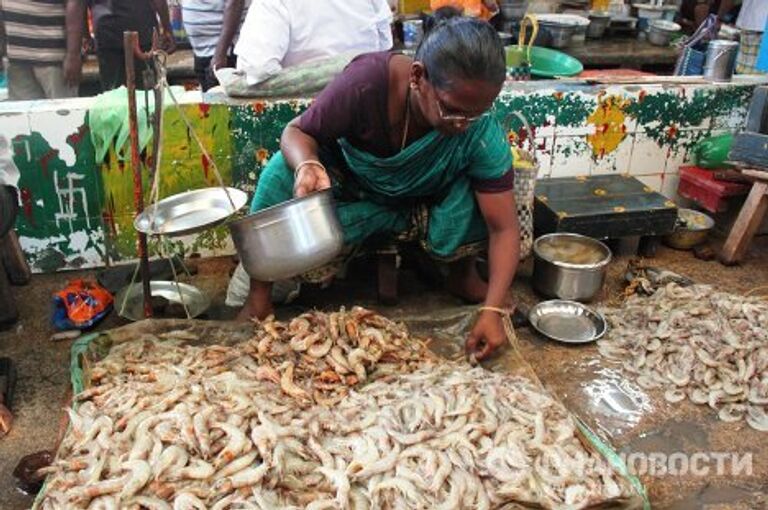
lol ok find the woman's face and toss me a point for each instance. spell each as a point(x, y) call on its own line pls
point(453, 109)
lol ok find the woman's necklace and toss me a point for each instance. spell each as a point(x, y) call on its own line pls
point(407, 118)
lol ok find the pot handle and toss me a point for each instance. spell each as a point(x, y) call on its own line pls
point(718, 55)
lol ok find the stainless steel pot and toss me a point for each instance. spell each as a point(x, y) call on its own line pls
point(559, 35)
point(565, 280)
point(598, 23)
point(513, 10)
point(289, 239)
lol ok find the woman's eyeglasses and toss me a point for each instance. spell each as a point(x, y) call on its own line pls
point(449, 116)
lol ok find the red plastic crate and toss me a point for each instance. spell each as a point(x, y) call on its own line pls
point(700, 185)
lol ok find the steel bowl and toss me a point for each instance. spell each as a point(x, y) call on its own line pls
point(289, 239)
point(660, 32)
point(567, 321)
point(190, 212)
point(691, 230)
point(556, 278)
point(129, 302)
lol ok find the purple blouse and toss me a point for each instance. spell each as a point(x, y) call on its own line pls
point(355, 106)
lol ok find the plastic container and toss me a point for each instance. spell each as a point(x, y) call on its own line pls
point(712, 152)
point(548, 63)
point(700, 186)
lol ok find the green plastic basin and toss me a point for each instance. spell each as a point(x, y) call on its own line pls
point(548, 63)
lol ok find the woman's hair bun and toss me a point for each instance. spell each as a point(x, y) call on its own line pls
point(440, 17)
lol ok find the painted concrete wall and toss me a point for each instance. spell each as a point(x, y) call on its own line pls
point(77, 212)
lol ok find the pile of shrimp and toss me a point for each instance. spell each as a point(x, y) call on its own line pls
point(696, 344)
point(169, 425)
point(318, 356)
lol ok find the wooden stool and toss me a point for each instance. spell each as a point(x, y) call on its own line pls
point(387, 272)
point(604, 207)
point(749, 219)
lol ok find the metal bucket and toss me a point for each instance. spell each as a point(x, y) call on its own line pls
point(721, 60)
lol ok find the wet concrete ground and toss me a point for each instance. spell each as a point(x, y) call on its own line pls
point(43, 383)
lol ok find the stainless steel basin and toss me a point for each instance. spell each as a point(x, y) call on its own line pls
point(288, 239)
point(556, 276)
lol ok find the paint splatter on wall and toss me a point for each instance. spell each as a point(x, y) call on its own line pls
point(76, 213)
point(609, 122)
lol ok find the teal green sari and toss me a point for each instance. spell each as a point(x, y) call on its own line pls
point(422, 192)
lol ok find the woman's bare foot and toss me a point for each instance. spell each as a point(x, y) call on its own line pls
point(465, 282)
point(258, 304)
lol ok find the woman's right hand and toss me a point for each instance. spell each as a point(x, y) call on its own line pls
point(310, 177)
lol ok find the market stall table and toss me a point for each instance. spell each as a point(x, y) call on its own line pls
point(620, 52)
point(623, 52)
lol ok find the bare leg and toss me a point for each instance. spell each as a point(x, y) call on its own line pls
point(464, 281)
point(6, 418)
point(258, 304)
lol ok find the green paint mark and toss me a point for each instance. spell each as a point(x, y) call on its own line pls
point(665, 114)
point(568, 110)
point(61, 203)
point(256, 130)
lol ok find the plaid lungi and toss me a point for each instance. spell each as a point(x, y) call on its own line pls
point(748, 50)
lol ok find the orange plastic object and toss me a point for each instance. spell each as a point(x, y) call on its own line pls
point(84, 300)
point(474, 8)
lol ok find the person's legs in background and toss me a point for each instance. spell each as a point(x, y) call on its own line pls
point(112, 69)
point(204, 77)
point(204, 73)
point(53, 83)
point(22, 83)
point(748, 50)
